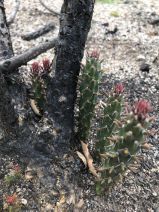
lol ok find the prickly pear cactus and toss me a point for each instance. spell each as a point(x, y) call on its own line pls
point(119, 141)
point(89, 83)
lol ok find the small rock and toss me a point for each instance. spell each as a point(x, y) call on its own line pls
point(112, 30)
point(30, 174)
point(140, 58)
point(24, 201)
point(145, 67)
point(106, 24)
point(49, 207)
point(154, 21)
point(154, 194)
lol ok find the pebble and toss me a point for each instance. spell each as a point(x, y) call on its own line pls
point(154, 21)
point(141, 58)
point(24, 201)
point(144, 67)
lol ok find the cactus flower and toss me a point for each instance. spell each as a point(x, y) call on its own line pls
point(46, 64)
point(35, 68)
point(119, 88)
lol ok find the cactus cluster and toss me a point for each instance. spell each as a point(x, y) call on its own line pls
point(38, 84)
point(119, 136)
point(119, 139)
point(89, 84)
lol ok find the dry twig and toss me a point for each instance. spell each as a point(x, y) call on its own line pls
point(89, 159)
point(50, 10)
point(14, 12)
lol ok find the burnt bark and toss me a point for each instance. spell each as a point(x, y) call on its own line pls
point(75, 22)
point(7, 115)
point(6, 50)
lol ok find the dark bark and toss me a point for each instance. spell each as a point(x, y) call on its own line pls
point(75, 24)
point(6, 50)
point(7, 115)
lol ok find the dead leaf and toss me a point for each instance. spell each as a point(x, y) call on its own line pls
point(82, 157)
point(89, 159)
point(80, 204)
point(34, 107)
point(61, 201)
point(56, 209)
point(71, 199)
point(30, 174)
point(146, 146)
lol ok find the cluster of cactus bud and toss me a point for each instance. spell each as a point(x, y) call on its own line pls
point(38, 71)
point(119, 136)
point(119, 139)
point(89, 84)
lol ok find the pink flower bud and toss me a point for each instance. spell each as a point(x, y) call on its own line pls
point(94, 54)
point(119, 88)
point(142, 108)
point(35, 68)
point(46, 64)
point(16, 168)
point(11, 199)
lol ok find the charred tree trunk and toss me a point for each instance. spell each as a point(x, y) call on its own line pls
point(6, 50)
point(75, 22)
point(7, 115)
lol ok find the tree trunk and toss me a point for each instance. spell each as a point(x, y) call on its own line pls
point(7, 115)
point(75, 24)
point(6, 50)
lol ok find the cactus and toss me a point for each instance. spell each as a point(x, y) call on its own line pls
point(37, 93)
point(119, 137)
point(119, 141)
point(89, 83)
point(38, 84)
point(110, 117)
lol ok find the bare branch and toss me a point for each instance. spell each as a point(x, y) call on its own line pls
point(41, 31)
point(13, 14)
point(22, 59)
point(47, 8)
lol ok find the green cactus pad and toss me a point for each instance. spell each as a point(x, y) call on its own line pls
point(89, 83)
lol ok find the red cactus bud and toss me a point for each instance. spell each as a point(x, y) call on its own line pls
point(11, 199)
point(94, 54)
point(16, 168)
point(35, 68)
point(46, 64)
point(119, 88)
point(142, 108)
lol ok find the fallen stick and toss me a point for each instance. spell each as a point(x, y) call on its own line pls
point(15, 62)
point(41, 31)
